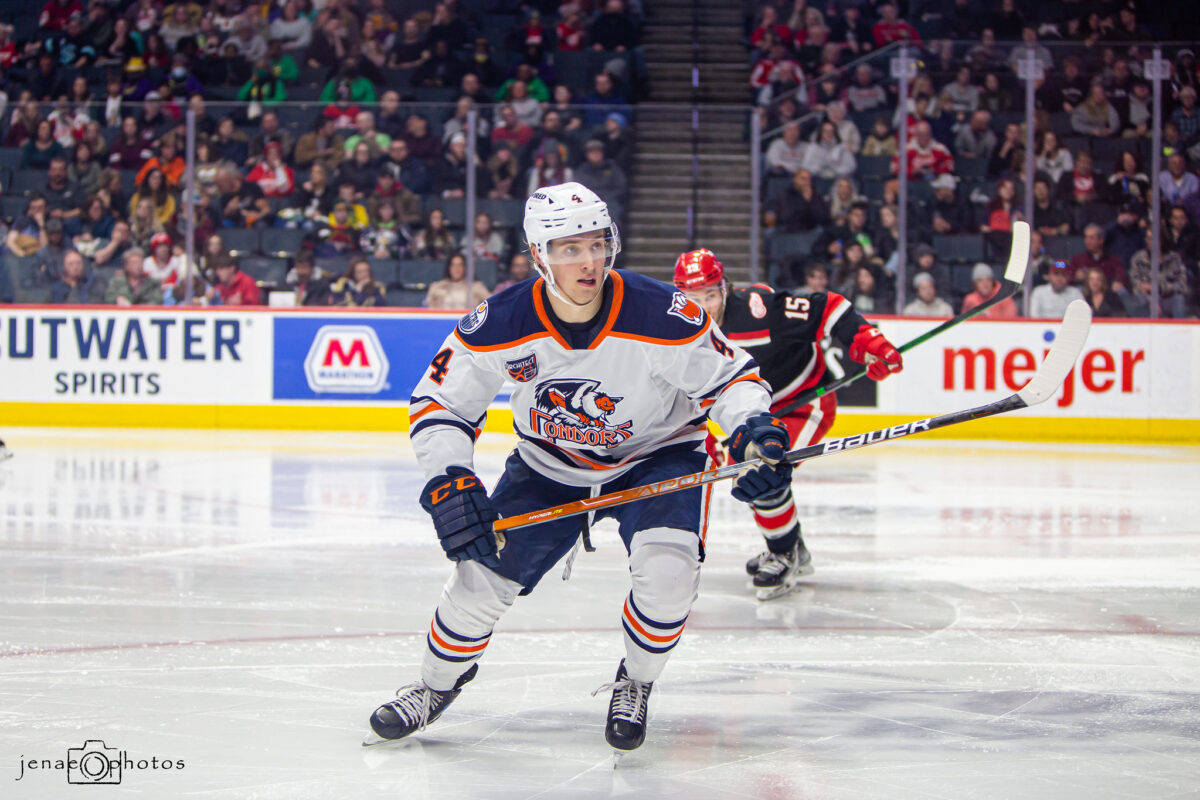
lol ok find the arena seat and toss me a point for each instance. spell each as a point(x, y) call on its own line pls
point(281, 242)
point(264, 269)
point(240, 241)
point(405, 298)
point(961, 247)
point(418, 274)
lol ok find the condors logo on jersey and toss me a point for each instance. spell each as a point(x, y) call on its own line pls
point(576, 412)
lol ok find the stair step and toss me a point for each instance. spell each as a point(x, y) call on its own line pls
point(682, 52)
point(712, 148)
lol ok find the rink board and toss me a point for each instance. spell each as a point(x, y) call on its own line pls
point(300, 369)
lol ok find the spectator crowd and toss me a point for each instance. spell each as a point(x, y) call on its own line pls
point(819, 76)
point(331, 144)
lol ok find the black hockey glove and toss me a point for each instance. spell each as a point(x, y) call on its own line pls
point(463, 516)
point(764, 485)
point(761, 436)
point(764, 437)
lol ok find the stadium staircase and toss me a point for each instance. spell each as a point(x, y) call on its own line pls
point(661, 184)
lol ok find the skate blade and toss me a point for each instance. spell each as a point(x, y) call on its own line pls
point(373, 739)
point(765, 593)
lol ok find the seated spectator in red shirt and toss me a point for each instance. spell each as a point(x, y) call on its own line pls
point(986, 285)
point(1094, 257)
point(511, 129)
point(891, 28)
point(234, 287)
point(570, 32)
point(926, 156)
point(775, 74)
point(1083, 184)
point(769, 21)
point(273, 176)
point(56, 13)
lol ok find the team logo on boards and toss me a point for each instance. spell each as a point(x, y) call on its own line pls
point(474, 321)
point(346, 359)
point(685, 309)
point(576, 412)
point(523, 370)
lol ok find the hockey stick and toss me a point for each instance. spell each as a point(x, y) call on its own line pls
point(1045, 382)
point(1014, 277)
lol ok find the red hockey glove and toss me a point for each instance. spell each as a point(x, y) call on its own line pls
point(869, 346)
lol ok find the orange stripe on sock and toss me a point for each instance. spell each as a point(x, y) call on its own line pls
point(637, 627)
point(454, 647)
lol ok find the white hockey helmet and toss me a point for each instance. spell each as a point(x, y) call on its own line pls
point(565, 210)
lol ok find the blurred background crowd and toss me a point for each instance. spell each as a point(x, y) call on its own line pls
point(331, 146)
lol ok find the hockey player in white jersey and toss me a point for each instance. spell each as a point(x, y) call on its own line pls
point(615, 375)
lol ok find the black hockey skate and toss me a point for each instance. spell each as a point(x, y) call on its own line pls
point(778, 573)
point(5, 453)
point(626, 725)
point(754, 564)
point(415, 706)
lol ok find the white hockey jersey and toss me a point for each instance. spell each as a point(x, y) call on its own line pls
point(587, 404)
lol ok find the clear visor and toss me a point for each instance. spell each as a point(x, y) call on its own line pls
point(595, 248)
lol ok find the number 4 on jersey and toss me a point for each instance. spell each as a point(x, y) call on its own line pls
point(441, 365)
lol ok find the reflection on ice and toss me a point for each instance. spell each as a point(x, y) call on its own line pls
point(984, 622)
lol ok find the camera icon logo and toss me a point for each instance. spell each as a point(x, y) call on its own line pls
point(93, 762)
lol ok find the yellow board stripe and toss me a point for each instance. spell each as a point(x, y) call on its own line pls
point(273, 417)
point(395, 419)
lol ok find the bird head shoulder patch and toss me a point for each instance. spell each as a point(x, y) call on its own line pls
point(685, 309)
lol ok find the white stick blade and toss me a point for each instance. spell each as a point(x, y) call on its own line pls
point(1072, 335)
point(1018, 257)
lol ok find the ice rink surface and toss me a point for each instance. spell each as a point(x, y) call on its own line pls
point(985, 621)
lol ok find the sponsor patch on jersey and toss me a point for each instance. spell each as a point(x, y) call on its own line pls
point(474, 321)
point(685, 309)
point(576, 412)
point(523, 370)
point(758, 309)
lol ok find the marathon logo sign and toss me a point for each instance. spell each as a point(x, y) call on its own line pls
point(346, 359)
point(873, 437)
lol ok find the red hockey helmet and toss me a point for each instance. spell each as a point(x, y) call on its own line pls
point(698, 269)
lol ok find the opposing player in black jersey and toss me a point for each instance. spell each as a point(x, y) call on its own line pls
point(784, 333)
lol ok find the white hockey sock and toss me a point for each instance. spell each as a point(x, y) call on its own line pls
point(473, 599)
point(665, 567)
